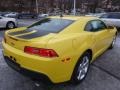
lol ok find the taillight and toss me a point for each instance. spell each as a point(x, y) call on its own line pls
point(40, 51)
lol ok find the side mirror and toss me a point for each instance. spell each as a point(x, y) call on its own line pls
point(110, 27)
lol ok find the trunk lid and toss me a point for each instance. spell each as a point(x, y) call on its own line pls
point(23, 37)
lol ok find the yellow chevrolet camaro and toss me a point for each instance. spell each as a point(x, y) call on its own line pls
point(58, 48)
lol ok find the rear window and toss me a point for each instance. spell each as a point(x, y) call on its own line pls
point(43, 27)
point(51, 25)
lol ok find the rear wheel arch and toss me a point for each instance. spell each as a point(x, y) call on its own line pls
point(88, 52)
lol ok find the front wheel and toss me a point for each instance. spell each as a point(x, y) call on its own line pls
point(81, 69)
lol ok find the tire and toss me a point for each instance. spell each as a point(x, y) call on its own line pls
point(81, 69)
point(113, 42)
point(10, 25)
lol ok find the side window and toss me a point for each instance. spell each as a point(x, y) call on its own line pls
point(102, 25)
point(119, 16)
point(111, 16)
point(95, 25)
point(105, 16)
point(88, 27)
point(98, 25)
point(114, 16)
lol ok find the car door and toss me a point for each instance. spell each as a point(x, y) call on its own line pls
point(100, 35)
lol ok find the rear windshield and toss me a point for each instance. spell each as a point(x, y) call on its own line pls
point(43, 27)
point(51, 25)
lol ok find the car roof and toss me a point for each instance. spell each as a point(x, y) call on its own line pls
point(87, 18)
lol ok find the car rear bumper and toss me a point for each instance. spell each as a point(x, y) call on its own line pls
point(56, 70)
point(23, 71)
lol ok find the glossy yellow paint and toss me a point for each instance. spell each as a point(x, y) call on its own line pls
point(71, 43)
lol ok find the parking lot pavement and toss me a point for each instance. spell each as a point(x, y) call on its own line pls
point(104, 74)
point(2, 31)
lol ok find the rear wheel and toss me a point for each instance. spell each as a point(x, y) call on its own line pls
point(10, 25)
point(81, 68)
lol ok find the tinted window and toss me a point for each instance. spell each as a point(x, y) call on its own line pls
point(88, 27)
point(95, 25)
point(115, 16)
point(51, 25)
point(104, 16)
point(98, 25)
point(111, 15)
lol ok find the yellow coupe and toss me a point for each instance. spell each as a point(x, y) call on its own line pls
point(58, 48)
